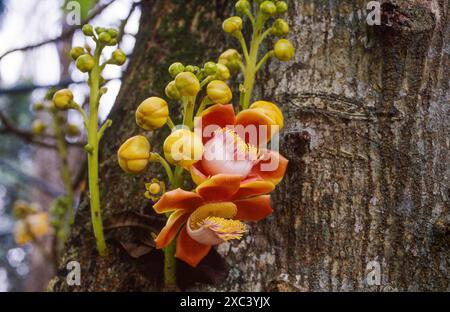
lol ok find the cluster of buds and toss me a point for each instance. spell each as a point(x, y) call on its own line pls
point(89, 61)
point(32, 223)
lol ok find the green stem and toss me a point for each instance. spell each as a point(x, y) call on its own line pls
point(264, 59)
point(170, 277)
point(93, 140)
point(170, 123)
point(203, 105)
point(189, 117)
point(155, 157)
point(250, 66)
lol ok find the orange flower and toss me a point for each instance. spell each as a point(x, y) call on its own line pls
point(230, 145)
point(209, 216)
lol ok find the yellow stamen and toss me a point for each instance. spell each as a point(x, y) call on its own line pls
point(226, 229)
point(222, 210)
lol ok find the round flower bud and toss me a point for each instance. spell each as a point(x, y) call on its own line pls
point(99, 30)
point(210, 68)
point(113, 32)
point(118, 57)
point(152, 113)
point(175, 69)
point(191, 69)
point(63, 99)
point(223, 73)
point(232, 24)
point(154, 188)
point(187, 84)
point(231, 58)
point(72, 130)
point(269, 8)
point(38, 127)
point(76, 52)
point(172, 91)
point(134, 154)
point(280, 28)
point(284, 50)
point(242, 6)
point(88, 30)
point(104, 37)
point(282, 7)
point(85, 63)
point(183, 147)
point(219, 92)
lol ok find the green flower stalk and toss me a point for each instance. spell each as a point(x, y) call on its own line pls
point(251, 64)
point(63, 99)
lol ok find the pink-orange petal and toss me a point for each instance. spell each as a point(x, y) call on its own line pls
point(177, 219)
point(216, 117)
point(220, 187)
point(254, 188)
point(263, 170)
point(190, 251)
point(178, 199)
point(253, 208)
point(254, 117)
point(198, 174)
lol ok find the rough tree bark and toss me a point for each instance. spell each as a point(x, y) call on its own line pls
point(367, 135)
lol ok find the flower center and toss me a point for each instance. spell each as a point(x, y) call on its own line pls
point(226, 229)
point(228, 153)
point(225, 210)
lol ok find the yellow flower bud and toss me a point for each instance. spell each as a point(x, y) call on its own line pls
point(282, 7)
point(134, 154)
point(112, 32)
point(223, 73)
point(88, 30)
point(38, 127)
point(242, 6)
point(175, 69)
point(172, 91)
point(219, 92)
point(33, 226)
point(183, 147)
point(187, 84)
point(152, 113)
point(268, 7)
point(271, 110)
point(72, 130)
point(210, 68)
point(99, 30)
point(104, 37)
point(231, 58)
point(280, 28)
point(284, 50)
point(154, 188)
point(118, 57)
point(85, 63)
point(76, 52)
point(232, 24)
point(63, 99)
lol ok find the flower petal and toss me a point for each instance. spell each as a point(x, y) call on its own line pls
point(198, 174)
point(272, 168)
point(170, 230)
point(178, 199)
point(254, 188)
point(216, 117)
point(254, 208)
point(189, 251)
point(220, 187)
point(262, 133)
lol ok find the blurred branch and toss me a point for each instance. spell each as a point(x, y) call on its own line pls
point(26, 88)
point(66, 34)
point(27, 136)
point(124, 22)
point(40, 184)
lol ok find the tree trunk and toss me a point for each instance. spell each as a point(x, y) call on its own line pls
point(367, 135)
